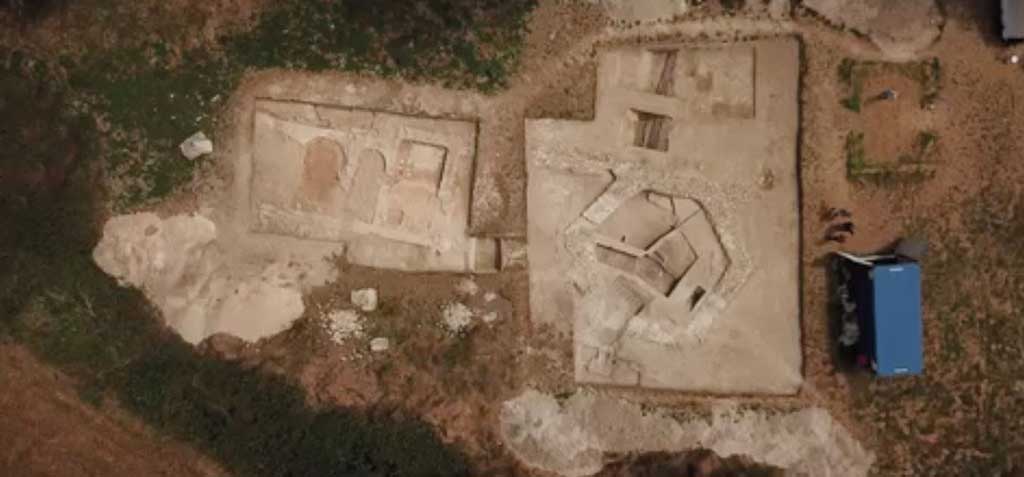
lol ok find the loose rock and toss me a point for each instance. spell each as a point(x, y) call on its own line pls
point(365, 299)
point(467, 287)
point(196, 145)
point(344, 324)
point(457, 317)
point(379, 345)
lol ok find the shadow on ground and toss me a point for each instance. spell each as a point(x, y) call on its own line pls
point(697, 463)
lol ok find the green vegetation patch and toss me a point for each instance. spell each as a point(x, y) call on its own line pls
point(855, 162)
point(463, 44)
point(152, 102)
point(913, 167)
point(28, 11)
point(42, 139)
point(154, 96)
point(733, 6)
point(910, 167)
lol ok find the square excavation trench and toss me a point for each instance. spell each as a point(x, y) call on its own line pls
point(395, 189)
point(651, 131)
point(668, 257)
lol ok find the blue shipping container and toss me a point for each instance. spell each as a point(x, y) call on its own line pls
point(888, 296)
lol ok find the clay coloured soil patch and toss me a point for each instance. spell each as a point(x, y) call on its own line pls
point(48, 431)
point(890, 127)
point(889, 118)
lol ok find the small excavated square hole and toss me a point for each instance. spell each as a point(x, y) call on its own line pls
point(423, 163)
point(651, 130)
point(662, 78)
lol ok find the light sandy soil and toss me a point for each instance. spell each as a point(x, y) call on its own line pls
point(574, 435)
point(48, 431)
point(900, 29)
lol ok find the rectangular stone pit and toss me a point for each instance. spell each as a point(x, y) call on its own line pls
point(395, 189)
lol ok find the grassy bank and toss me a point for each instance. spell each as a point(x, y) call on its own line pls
point(154, 93)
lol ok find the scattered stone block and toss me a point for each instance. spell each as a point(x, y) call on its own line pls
point(467, 287)
point(379, 345)
point(365, 299)
point(344, 324)
point(196, 145)
point(457, 317)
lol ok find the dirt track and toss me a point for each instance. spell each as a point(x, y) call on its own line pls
point(49, 431)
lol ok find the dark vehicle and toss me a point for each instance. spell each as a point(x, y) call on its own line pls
point(1012, 19)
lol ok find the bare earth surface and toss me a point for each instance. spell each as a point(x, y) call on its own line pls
point(48, 431)
point(455, 380)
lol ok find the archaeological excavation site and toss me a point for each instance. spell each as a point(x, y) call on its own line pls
point(526, 238)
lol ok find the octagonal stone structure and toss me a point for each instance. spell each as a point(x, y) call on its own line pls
point(664, 234)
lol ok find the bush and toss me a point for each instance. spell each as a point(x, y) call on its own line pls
point(32, 10)
point(852, 103)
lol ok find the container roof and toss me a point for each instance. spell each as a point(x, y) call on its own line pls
point(1013, 19)
point(898, 329)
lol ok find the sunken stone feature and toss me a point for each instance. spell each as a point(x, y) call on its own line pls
point(395, 189)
